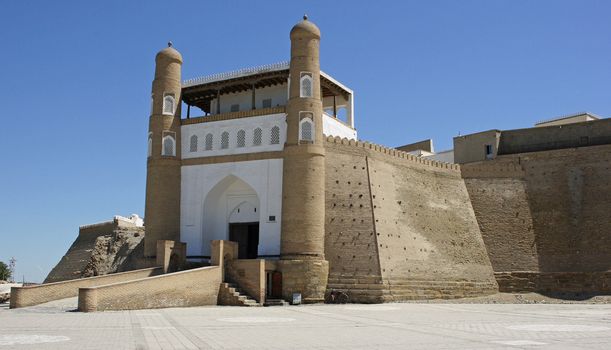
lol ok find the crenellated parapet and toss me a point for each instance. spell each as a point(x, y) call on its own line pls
point(488, 169)
point(391, 153)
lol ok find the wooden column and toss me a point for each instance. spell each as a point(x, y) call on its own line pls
point(253, 95)
point(188, 111)
point(218, 101)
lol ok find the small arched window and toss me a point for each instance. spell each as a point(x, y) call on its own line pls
point(306, 130)
point(169, 146)
point(225, 140)
point(168, 104)
point(149, 150)
point(241, 138)
point(208, 142)
point(193, 143)
point(305, 84)
point(275, 136)
point(257, 137)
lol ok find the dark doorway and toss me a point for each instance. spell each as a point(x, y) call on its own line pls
point(247, 237)
point(274, 284)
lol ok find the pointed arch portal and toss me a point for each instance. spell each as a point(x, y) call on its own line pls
point(232, 209)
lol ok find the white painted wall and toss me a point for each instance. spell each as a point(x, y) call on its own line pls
point(277, 93)
point(444, 156)
point(265, 122)
point(211, 193)
point(334, 127)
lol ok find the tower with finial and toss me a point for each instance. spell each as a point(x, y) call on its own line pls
point(303, 264)
point(162, 207)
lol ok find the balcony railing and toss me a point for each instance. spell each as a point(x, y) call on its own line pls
point(234, 115)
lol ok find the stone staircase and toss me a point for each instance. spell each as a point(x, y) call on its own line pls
point(275, 302)
point(230, 294)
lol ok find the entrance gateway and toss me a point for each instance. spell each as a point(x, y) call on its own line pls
point(247, 237)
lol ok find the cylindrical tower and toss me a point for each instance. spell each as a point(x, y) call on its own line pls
point(303, 185)
point(162, 208)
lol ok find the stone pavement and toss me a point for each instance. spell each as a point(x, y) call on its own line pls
point(352, 326)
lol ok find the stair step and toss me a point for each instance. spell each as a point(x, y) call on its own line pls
point(275, 302)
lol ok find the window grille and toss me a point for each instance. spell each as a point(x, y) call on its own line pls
point(275, 135)
point(168, 105)
point(267, 103)
point(235, 108)
point(208, 142)
point(241, 138)
point(193, 144)
point(306, 85)
point(257, 137)
point(306, 132)
point(168, 146)
point(225, 140)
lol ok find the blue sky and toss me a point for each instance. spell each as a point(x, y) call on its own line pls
point(75, 83)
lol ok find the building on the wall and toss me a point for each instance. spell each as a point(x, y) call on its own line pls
point(577, 130)
point(263, 177)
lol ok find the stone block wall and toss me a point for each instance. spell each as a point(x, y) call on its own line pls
point(400, 227)
point(34, 295)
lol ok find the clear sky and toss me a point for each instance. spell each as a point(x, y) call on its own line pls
point(75, 80)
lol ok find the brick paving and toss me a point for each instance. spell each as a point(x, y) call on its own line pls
point(388, 326)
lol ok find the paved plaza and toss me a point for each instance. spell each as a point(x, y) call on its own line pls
point(352, 326)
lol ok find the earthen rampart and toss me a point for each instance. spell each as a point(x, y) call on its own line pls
point(400, 227)
point(547, 219)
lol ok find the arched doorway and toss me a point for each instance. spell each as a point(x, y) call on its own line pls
point(232, 212)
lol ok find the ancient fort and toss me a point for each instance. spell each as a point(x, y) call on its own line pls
point(262, 193)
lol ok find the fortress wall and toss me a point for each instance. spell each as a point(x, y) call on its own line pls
point(107, 247)
point(498, 195)
point(350, 244)
point(425, 242)
point(566, 194)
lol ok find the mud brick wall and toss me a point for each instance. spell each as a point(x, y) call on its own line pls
point(400, 227)
point(194, 287)
point(249, 275)
point(551, 214)
point(350, 244)
point(499, 199)
point(34, 295)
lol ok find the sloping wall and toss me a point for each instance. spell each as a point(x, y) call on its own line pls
point(547, 213)
point(416, 235)
point(350, 242)
point(101, 249)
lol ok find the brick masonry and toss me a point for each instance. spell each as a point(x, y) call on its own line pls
point(546, 213)
point(34, 295)
point(399, 227)
point(193, 287)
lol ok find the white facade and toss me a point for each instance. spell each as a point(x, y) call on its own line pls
point(334, 127)
point(232, 126)
point(211, 195)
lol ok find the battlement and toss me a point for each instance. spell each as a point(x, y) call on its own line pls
point(487, 169)
point(393, 153)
